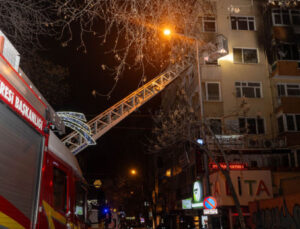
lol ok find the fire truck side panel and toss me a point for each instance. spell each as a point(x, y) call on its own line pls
point(59, 199)
point(21, 149)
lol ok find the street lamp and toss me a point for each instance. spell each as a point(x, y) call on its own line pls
point(133, 172)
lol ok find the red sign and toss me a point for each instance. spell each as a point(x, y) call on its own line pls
point(232, 166)
point(19, 104)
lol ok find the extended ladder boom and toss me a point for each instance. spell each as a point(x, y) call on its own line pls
point(112, 116)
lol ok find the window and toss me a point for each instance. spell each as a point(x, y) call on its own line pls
point(288, 90)
point(285, 17)
point(59, 189)
point(287, 51)
point(281, 17)
point(242, 23)
point(288, 122)
point(246, 56)
point(280, 124)
point(251, 125)
point(248, 89)
point(209, 24)
point(80, 201)
point(216, 126)
point(213, 91)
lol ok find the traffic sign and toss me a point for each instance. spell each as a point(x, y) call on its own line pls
point(210, 202)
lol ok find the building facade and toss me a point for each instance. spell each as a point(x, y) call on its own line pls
point(251, 100)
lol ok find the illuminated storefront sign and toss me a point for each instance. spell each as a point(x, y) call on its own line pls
point(210, 211)
point(187, 203)
point(197, 195)
point(232, 166)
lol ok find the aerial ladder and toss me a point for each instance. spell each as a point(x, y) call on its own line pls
point(115, 114)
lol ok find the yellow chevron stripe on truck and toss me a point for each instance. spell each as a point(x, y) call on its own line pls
point(8, 222)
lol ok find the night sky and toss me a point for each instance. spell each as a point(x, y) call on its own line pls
point(124, 146)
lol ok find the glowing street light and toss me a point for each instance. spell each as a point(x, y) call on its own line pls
point(133, 172)
point(167, 32)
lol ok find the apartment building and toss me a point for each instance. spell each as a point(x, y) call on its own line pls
point(251, 98)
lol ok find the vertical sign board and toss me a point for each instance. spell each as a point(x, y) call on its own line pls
point(197, 195)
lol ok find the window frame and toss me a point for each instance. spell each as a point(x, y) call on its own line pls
point(247, 20)
point(247, 85)
point(246, 131)
point(206, 91)
point(285, 122)
point(204, 19)
point(58, 166)
point(243, 61)
point(290, 13)
point(285, 85)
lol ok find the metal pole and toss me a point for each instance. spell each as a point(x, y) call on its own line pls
point(202, 119)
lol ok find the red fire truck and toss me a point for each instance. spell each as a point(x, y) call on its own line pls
point(41, 184)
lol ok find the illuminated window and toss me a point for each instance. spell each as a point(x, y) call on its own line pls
point(59, 189)
point(242, 23)
point(251, 125)
point(245, 55)
point(248, 89)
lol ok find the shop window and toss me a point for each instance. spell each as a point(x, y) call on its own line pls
point(213, 91)
point(245, 56)
point(209, 24)
point(251, 125)
point(248, 89)
point(59, 189)
point(242, 23)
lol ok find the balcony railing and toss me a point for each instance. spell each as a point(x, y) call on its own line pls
point(240, 142)
point(286, 68)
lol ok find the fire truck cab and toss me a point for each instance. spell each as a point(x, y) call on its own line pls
point(41, 184)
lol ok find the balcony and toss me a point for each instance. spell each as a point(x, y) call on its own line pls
point(286, 69)
point(288, 105)
point(245, 142)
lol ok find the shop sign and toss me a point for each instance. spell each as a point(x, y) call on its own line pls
point(197, 195)
point(210, 212)
point(187, 203)
point(249, 185)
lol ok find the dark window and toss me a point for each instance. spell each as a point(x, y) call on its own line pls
point(295, 17)
point(251, 125)
point(216, 126)
point(281, 17)
point(298, 122)
point(242, 23)
point(247, 56)
point(280, 124)
point(209, 24)
point(59, 189)
point(287, 52)
point(280, 90)
point(213, 92)
point(290, 122)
